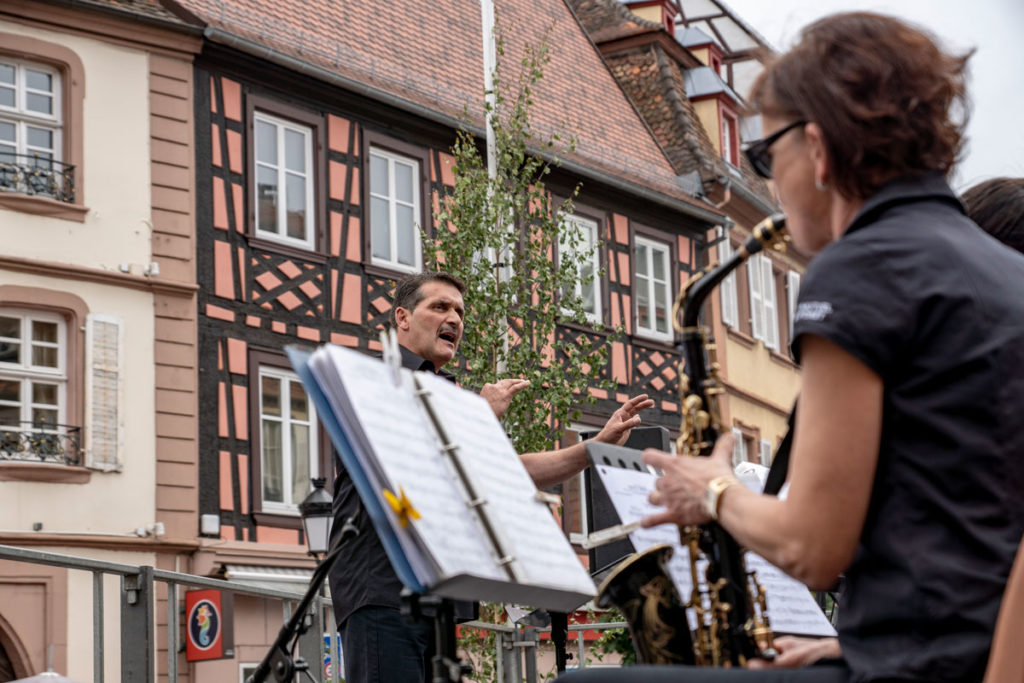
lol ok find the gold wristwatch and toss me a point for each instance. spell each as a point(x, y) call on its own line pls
point(713, 493)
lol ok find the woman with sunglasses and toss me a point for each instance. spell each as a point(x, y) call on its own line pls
point(907, 464)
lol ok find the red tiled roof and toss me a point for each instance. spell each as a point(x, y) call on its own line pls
point(610, 20)
point(654, 80)
point(152, 9)
point(430, 54)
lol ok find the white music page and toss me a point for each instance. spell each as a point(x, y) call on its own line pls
point(525, 527)
point(405, 449)
point(791, 607)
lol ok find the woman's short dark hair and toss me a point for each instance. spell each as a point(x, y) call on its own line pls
point(409, 296)
point(997, 206)
point(889, 100)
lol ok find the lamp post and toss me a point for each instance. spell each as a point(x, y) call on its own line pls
point(317, 517)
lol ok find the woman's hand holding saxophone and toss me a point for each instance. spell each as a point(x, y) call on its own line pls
point(683, 486)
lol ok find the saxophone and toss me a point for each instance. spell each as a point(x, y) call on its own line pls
point(728, 601)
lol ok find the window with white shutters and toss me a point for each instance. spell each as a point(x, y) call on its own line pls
point(739, 447)
point(730, 308)
point(766, 452)
point(771, 309)
point(792, 292)
point(104, 419)
point(764, 319)
point(756, 286)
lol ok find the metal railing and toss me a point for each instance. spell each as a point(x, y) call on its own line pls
point(36, 175)
point(41, 442)
point(137, 605)
point(516, 648)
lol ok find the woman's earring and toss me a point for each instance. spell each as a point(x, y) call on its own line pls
point(820, 186)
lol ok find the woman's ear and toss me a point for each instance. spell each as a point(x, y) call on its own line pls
point(819, 155)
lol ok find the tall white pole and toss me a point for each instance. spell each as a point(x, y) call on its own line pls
point(490, 59)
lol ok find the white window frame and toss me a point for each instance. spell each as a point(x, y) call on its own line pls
point(22, 117)
point(728, 154)
point(281, 235)
point(25, 373)
point(739, 448)
point(287, 478)
point(591, 226)
point(766, 451)
point(417, 202)
point(764, 317)
point(729, 300)
point(666, 250)
point(792, 297)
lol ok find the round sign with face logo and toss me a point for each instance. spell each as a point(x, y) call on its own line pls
point(204, 624)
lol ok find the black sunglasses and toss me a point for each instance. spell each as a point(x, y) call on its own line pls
point(757, 152)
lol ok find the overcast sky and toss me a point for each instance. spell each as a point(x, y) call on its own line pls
point(995, 28)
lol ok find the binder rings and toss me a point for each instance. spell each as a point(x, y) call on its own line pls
point(456, 511)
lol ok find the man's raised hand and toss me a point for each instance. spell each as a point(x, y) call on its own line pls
point(616, 429)
point(500, 393)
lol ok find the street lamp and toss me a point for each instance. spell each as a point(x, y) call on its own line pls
point(317, 517)
point(280, 663)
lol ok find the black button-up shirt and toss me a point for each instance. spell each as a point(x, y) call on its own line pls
point(933, 305)
point(363, 574)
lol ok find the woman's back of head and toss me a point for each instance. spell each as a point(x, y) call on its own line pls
point(997, 205)
point(889, 100)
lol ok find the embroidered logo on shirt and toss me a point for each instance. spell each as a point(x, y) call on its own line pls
point(815, 311)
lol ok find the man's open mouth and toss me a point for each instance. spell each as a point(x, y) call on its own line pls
point(449, 337)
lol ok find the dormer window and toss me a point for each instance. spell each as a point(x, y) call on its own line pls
point(730, 137)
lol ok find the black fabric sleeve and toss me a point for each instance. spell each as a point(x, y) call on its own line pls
point(857, 295)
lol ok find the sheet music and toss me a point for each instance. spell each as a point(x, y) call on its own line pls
point(409, 460)
point(526, 527)
point(791, 607)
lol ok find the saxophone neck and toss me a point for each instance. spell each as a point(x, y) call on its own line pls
point(771, 232)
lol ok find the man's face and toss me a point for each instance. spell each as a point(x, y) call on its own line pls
point(434, 328)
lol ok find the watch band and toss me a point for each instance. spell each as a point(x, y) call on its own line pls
point(713, 494)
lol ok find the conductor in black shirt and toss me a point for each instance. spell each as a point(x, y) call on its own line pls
point(379, 646)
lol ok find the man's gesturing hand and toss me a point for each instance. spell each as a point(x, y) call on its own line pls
point(500, 394)
point(616, 429)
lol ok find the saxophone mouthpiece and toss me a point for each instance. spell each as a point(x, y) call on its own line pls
point(769, 232)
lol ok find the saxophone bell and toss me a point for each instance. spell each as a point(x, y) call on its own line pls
point(642, 590)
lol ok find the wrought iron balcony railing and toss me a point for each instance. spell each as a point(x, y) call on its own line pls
point(44, 443)
point(34, 175)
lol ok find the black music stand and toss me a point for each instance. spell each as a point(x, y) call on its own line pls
point(600, 511)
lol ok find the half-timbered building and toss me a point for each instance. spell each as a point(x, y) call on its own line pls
point(322, 145)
